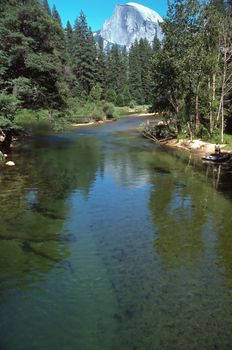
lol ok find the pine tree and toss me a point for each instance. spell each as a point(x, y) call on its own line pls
point(69, 39)
point(116, 69)
point(145, 53)
point(46, 6)
point(56, 16)
point(135, 75)
point(101, 64)
point(34, 69)
point(84, 54)
point(178, 65)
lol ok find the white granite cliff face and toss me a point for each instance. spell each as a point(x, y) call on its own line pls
point(130, 22)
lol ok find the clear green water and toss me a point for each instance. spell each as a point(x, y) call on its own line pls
point(108, 242)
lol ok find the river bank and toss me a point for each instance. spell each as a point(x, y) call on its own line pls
point(197, 146)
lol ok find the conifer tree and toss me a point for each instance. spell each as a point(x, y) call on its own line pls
point(69, 39)
point(101, 64)
point(56, 16)
point(84, 54)
point(112, 69)
point(34, 56)
point(135, 76)
point(46, 6)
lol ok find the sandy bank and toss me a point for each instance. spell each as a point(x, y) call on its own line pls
point(83, 124)
point(197, 146)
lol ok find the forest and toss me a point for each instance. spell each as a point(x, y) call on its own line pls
point(53, 76)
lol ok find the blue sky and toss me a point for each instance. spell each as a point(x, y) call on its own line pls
point(97, 11)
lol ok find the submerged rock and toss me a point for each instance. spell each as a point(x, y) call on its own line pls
point(10, 163)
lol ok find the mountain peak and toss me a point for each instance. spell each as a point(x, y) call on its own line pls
point(148, 13)
point(130, 22)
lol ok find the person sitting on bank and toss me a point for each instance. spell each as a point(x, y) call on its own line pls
point(217, 149)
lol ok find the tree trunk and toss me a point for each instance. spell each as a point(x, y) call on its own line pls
point(222, 121)
point(223, 93)
point(210, 107)
point(197, 115)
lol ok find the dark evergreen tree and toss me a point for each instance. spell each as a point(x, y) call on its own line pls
point(31, 50)
point(46, 6)
point(56, 16)
point(84, 54)
point(69, 38)
point(101, 64)
point(135, 78)
point(116, 69)
point(145, 53)
point(156, 44)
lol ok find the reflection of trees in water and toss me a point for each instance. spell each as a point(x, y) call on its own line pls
point(221, 215)
point(30, 240)
point(178, 208)
point(126, 163)
point(33, 206)
point(220, 175)
point(183, 205)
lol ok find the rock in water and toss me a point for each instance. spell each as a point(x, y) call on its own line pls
point(10, 163)
point(130, 22)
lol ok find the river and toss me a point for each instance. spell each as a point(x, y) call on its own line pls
point(108, 242)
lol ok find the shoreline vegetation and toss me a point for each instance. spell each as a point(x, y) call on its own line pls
point(50, 80)
point(152, 121)
point(152, 129)
point(31, 124)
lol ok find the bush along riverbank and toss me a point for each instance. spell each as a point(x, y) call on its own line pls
point(163, 132)
point(17, 123)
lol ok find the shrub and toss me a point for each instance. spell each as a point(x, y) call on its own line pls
point(25, 117)
point(4, 122)
point(26, 91)
point(108, 109)
point(202, 132)
point(119, 100)
point(95, 93)
point(126, 95)
point(111, 96)
point(132, 104)
point(8, 106)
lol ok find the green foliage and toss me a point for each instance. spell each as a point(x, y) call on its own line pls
point(119, 100)
point(132, 104)
point(96, 93)
point(25, 117)
point(83, 54)
point(56, 16)
point(110, 95)
point(126, 95)
point(202, 132)
point(5, 122)
point(116, 70)
point(80, 111)
point(25, 90)
point(140, 71)
point(8, 106)
point(45, 69)
point(109, 110)
point(31, 54)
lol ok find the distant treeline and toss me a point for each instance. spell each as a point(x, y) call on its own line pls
point(55, 74)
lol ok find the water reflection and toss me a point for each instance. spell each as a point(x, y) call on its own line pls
point(33, 206)
point(113, 244)
point(178, 208)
